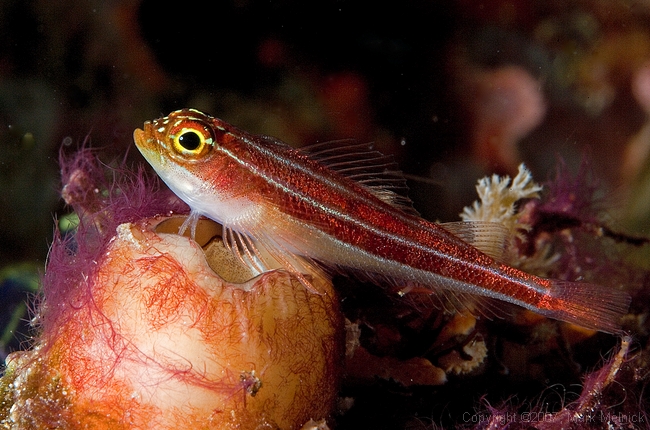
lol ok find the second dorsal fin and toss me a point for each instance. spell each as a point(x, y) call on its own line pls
point(491, 238)
point(365, 165)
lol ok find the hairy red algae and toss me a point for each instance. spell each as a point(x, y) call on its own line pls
point(103, 198)
point(611, 397)
point(132, 321)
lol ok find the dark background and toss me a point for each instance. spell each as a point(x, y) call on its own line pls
point(406, 76)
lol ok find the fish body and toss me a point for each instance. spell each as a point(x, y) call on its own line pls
point(329, 208)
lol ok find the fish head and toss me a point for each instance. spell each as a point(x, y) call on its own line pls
point(181, 149)
point(186, 149)
point(185, 137)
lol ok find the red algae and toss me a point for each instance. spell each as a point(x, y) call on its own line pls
point(170, 343)
point(103, 198)
point(138, 331)
point(592, 409)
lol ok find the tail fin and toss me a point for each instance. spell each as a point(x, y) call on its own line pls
point(588, 305)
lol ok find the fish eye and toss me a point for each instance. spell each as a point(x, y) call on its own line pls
point(193, 140)
point(190, 140)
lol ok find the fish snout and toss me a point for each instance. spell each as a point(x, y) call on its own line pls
point(143, 136)
point(138, 135)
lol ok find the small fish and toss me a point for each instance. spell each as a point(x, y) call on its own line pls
point(334, 205)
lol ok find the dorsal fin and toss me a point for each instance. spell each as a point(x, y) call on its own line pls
point(365, 165)
point(492, 238)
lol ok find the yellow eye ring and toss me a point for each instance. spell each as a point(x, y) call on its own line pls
point(189, 141)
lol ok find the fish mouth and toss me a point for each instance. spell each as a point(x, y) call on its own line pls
point(140, 135)
point(146, 142)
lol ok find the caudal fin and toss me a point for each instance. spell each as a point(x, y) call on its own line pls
point(588, 305)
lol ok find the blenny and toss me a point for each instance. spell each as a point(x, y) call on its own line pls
point(334, 206)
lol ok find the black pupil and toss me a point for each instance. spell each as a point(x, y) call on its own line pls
point(190, 140)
